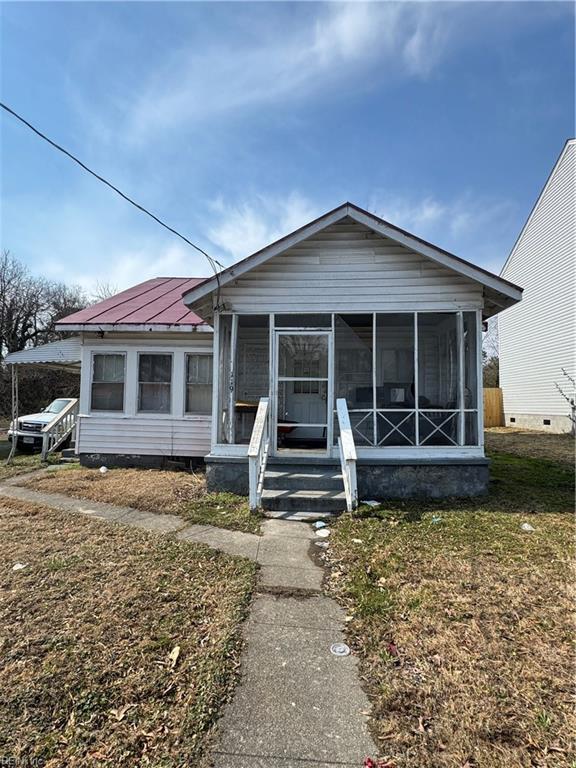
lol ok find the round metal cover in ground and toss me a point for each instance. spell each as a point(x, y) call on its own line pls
point(340, 649)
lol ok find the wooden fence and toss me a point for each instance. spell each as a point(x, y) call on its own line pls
point(493, 407)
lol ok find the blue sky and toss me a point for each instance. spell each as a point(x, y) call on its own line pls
point(238, 122)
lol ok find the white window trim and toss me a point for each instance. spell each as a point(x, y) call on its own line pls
point(196, 414)
point(154, 414)
point(99, 412)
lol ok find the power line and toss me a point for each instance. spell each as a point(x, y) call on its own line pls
point(212, 261)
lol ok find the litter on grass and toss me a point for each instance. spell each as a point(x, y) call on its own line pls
point(103, 470)
point(319, 524)
point(371, 503)
point(321, 544)
point(436, 519)
point(323, 532)
point(19, 566)
point(340, 649)
point(527, 527)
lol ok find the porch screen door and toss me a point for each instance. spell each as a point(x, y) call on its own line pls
point(302, 391)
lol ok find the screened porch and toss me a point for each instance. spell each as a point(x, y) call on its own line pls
point(411, 382)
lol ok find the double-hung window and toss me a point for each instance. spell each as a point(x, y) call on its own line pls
point(154, 383)
point(108, 372)
point(198, 383)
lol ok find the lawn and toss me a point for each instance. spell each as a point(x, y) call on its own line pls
point(528, 442)
point(118, 647)
point(152, 490)
point(463, 621)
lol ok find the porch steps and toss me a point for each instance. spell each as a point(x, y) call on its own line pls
point(303, 492)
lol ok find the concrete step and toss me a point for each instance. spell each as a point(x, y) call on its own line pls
point(319, 502)
point(301, 516)
point(314, 479)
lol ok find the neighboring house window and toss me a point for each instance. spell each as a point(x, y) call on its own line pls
point(107, 382)
point(198, 383)
point(154, 383)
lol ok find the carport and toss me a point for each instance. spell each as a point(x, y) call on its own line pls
point(60, 355)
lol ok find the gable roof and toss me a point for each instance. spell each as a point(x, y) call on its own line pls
point(155, 304)
point(568, 149)
point(500, 292)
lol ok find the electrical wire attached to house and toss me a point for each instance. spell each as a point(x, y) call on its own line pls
point(214, 263)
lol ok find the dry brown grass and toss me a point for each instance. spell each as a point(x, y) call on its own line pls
point(86, 633)
point(529, 442)
point(153, 490)
point(464, 631)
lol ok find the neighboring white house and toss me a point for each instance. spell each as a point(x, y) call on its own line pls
point(537, 337)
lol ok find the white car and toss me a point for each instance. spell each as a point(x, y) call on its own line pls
point(29, 432)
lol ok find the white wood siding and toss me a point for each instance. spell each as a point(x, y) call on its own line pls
point(537, 336)
point(174, 434)
point(347, 267)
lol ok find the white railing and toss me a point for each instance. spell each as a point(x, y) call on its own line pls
point(258, 453)
point(57, 430)
point(347, 455)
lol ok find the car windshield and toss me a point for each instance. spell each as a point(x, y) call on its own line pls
point(56, 406)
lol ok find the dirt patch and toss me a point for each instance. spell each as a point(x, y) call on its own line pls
point(463, 625)
point(152, 490)
point(531, 443)
point(118, 648)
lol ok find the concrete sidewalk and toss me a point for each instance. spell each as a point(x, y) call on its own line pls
point(297, 705)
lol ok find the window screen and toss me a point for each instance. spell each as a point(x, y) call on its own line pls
point(107, 382)
point(154, 383)
point(198, 383)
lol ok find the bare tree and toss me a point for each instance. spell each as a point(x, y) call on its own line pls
point(568, 391)
point(103, 290)
point(490, 355)
point(30, 306)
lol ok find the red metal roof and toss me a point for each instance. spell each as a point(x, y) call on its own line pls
point(155, 302)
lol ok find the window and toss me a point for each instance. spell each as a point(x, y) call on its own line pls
point(154, 383)
point(107, 382)
point(198, 383)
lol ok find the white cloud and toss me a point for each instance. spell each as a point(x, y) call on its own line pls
point(244, 227)
point(473, 227)
point(405, 39)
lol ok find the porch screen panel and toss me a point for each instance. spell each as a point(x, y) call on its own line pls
point(470, 404)
point(252, 372)
point(438, 378)
point(395, 404)
point(353, 354)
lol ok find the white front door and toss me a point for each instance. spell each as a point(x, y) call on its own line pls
point(302, 391)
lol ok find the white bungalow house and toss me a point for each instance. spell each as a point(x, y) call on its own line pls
point(343, 359)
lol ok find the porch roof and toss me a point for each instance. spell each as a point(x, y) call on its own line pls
point(499, 293)
point(65, 353)
point(155, 304)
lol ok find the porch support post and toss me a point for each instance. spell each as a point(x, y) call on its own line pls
point(215, 380)
point(232, 380)
point(479, 379)
point(461, 423)
point(14, 411)
point(416, 376)
point(374, 398)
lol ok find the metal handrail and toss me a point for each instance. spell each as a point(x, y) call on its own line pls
point(258, 453)
point(57, 430)
point(348, 456)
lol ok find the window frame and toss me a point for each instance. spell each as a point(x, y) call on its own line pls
point(207, 353)
point(100, 411)
point(154, 414)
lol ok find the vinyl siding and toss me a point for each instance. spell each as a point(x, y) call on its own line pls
point(140, 435)
point(347, 267)
point(130, 432)
point(537, 337)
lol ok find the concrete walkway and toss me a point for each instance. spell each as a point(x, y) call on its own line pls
point(297, 705)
